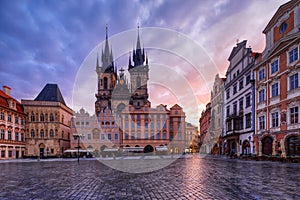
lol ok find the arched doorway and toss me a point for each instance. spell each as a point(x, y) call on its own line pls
point(293, 145)
point(148, 149)
point(246, 147)
point(42, 150)
point(267, 145)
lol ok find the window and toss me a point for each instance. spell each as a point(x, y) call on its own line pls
point(22, 121)
point(283, 27)
point(274, 66)
point(146, 135)
point(116, 136)
point(275, 119)
point(248, 78)
point(51, 133)
point(158, 125)
point(3, 154)
point(32, 118)
point(248, 120)
point(228, 94)
point(241, 84)
point(42, 118)
point(261, 95)
point(102, 137)
point(158, 136)
point(2, 116)
point(22, 137)
point(261, 122)
point(293, 55)
point(109, 136)
point(132, 136)
point(248, 100)
point(9, 118)
point(42, 135)
point(274, 89)
point(235, 108)
point(294, 81)
point(152, 136)
point(9, 135)
point(17, 136)
point(32, 133)
point(164, 135)
point(126, 136)
point(241, 102)
point(10, 154)
point(146, 124)
point(227, 111)
point(51, 117)
point(234, 89)
point(294, 113)
point(138, 135)
point(2, 136)
point(261, 74)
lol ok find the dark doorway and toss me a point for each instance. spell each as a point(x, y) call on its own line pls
point(148, 149)
point(267, 146)
point(42, 152)
point(293, 145)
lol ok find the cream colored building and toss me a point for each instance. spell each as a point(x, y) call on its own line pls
point(48, 125)
point(191, 137)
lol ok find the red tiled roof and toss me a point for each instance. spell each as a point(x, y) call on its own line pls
point(4, 103)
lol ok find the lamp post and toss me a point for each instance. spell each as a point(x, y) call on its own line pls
point(77, 137)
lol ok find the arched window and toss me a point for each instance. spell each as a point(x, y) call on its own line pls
point(105, 83)
point(42, 117)
point(32, 118)
point(32, 134)
point(267, 146)
point(51, 117)
point(51, 133)
point(293, 145)
point(138, 82)
point(42, 134)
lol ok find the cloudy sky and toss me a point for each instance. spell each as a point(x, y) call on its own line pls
point(49, 42)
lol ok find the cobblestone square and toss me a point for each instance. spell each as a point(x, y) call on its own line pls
point(186, 178)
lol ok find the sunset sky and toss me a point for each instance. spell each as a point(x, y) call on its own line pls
point(57, 42)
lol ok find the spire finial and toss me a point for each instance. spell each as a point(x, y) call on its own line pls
point(106, 31)
point(97, 60)
point(138, 43)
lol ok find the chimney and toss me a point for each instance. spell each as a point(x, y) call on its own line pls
point(6, 90)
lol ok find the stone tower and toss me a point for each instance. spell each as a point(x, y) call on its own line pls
point(139, 76)
point(107, 78)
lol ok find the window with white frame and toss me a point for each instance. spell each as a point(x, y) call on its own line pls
point(294, 115)
point(293, 81)
point(274, 66)
point(241, 102)
point(235, 89)
point(248, 100)
point(261, 122)
point(2, 136)
point(248, 120)
point(9, 134)
point(261, 74)
point(241, 84)
point(261, 95)
point(275, 119)
point(293, 55)
point(2, 116)
point(274, 90)
point(248, 78)
point(228, 94)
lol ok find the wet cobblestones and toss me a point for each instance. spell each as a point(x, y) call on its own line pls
point(193, 178)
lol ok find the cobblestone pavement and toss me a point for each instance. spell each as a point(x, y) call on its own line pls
point(193, 178)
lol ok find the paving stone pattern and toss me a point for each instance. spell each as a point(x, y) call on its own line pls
point(193, 178)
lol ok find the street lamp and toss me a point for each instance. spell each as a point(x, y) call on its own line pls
point(77, 137)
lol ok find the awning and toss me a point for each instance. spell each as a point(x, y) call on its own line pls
point(75, 151)
point(111, 150)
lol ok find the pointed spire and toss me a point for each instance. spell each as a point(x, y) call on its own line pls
point(146, 59)
point(138, 43)
point(129, 62)
point(106, 32)
point(97, 65)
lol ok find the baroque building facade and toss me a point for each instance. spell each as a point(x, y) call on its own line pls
point(204, 123)
point(216, 119)
point(12, 126)
point(141, 127)
point(48, 123)
point(192, 138)
point(239, 104)
point(277, 85)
